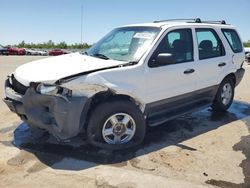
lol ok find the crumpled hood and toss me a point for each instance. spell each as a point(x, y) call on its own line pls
point(52, 69)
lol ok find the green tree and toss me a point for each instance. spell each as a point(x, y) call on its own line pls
point(62, 45)
point(21, 45)
point(50, 44)
point(246, 44)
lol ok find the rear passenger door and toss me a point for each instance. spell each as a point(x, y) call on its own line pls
point(212, 62)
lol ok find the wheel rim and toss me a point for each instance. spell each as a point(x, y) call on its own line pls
point(226, 94)
point(119, 129)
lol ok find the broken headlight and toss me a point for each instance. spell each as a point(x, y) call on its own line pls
point(53, 90)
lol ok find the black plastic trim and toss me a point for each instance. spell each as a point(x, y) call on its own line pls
point(239, 75)
point(174, 106)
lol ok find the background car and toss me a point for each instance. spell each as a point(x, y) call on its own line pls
point(3, 50)
point(56, 52)
point(247, 53)
point(16, 51)
point(42, 52)
point(248, 57)
point(31, 51)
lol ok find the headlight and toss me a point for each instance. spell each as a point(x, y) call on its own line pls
point(45, 89)
point(53, 90)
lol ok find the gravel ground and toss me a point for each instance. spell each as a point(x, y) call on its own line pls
point(202, 149)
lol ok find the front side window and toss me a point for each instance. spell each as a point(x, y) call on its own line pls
point(209, 44)
point(124, 44)
point(179, 43)
point(233, 39)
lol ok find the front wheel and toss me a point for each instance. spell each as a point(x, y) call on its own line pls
point(116, 125)
point(224, 96)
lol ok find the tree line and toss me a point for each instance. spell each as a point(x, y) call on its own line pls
point(246, 44)
point(51, 45)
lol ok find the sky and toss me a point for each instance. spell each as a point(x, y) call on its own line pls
point(60, 20)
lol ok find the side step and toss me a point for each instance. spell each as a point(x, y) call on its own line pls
point(161, 118)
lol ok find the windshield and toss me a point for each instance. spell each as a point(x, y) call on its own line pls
point(124, 44)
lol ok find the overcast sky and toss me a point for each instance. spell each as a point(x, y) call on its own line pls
point(60, 20)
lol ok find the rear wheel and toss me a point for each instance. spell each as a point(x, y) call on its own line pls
point(116, 125)
point(224, 96)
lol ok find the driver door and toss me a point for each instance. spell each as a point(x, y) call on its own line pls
point(172, 84)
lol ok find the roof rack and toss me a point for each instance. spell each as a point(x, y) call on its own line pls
point(196, 20)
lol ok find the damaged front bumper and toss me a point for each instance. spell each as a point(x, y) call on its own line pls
point(62, 117)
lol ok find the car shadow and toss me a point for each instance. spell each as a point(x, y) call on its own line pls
point(77, 154)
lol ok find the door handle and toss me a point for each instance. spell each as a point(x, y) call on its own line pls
point(189, 71)
point(222, 64)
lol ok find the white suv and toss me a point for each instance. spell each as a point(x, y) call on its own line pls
point(136, 76)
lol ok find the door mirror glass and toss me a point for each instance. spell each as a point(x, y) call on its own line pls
point(164, 59)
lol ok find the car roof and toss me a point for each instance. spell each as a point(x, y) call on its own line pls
point(175, 24)
point(181, 22)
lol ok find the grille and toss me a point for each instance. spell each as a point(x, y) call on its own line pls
point(17, 86)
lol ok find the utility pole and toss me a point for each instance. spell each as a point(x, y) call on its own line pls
point(81, 21)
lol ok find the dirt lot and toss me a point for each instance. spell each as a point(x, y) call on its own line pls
point(202, 149)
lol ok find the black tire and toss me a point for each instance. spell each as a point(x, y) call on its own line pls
point(218, 104)
point(103, 112)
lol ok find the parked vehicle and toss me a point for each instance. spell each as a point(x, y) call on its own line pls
point(247, 53)
point(136, 76)
point(31, 51)
point(42, 52)
point(3, 50)
point(247, 49)
point(16, 51)
point(38, 52)
point(56, 52)
point(248, 57)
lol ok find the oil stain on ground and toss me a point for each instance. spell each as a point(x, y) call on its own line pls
point(242, 146)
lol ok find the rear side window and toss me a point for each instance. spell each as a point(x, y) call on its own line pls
point(233, 39)
point(209, 43)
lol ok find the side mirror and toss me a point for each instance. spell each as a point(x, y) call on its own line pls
point(165, 59)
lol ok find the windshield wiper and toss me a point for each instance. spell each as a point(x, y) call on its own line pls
point(101, 56)
point(130, 63)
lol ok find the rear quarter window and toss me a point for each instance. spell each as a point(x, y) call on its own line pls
point(233, 39)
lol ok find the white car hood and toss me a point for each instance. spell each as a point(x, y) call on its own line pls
point(52, 69)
